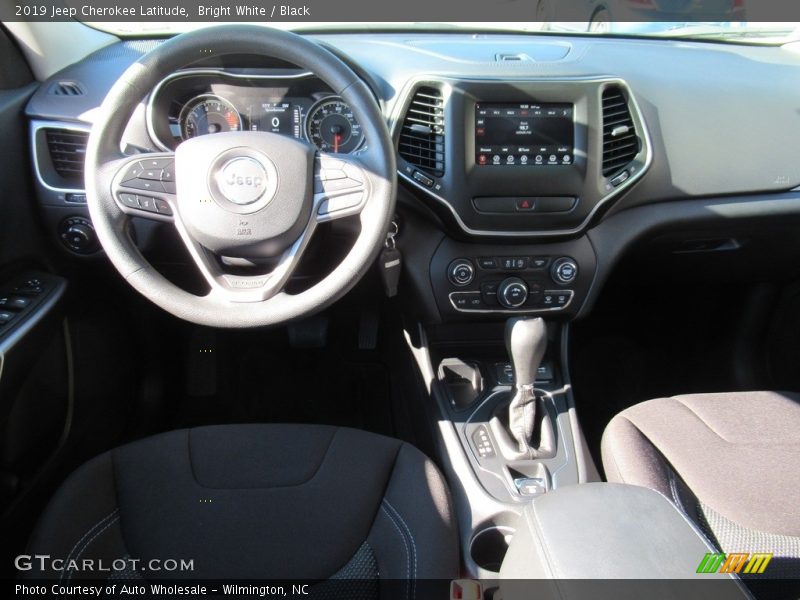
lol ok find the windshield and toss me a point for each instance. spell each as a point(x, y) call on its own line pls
point(767, 33)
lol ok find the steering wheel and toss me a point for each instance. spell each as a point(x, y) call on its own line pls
point(254, 198)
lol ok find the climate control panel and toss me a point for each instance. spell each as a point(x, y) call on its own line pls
point(513, 283)
point(546, 278)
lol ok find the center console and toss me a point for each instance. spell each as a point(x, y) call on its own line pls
point(516, 170)
point(639, 546)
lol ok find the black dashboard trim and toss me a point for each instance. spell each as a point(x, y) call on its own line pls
point(613, 238)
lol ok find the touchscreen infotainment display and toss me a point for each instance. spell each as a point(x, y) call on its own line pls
point(524, 134)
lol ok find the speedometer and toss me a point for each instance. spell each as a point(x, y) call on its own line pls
point(208, 114)
point(331, 126)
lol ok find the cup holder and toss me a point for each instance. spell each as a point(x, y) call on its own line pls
point(489, 546)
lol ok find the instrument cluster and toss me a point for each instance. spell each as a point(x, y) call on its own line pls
point(198, 102)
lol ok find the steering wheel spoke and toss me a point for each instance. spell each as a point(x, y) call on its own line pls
point(239, 287)
point(341, 187)
point(144, 185)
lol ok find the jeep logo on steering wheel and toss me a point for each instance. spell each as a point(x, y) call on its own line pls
point(242, 180)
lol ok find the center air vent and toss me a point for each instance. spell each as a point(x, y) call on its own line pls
point(67, 153)
point(620, 140)
point(422, 135)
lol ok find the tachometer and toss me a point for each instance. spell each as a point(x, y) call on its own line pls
point(331, 126)
point(208, 114)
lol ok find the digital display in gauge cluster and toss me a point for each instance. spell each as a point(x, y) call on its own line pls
point(277, 117)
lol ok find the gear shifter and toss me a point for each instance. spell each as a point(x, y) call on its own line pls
point(526, 342)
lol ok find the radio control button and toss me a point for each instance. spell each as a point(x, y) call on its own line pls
point(461, 272)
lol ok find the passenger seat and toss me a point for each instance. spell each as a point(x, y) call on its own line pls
point(731, 462)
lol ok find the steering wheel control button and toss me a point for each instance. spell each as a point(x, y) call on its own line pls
point(156, 175)
point(461, 272)
point(339, 203)
point(156, 163)
point(512, 292)
point(147, 203)
point(146, 185)
point(134, 171)
point(332, 174)
point(129, 200)
point(564, 271)
point(162, 207)
point(334, 185)
point(242, 180)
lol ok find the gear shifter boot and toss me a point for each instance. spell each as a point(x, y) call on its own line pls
point(522, 416)
point(538, 428)
point(526, 342)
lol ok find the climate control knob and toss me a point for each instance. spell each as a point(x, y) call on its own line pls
point(564, 270)
point(461, 272)
point(512, 292)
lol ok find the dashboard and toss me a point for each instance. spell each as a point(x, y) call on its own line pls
point(197, 102)
point(523, 181)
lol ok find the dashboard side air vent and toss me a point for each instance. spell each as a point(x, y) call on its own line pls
point(66, 88)
point(67, 153)
point(422, 134)
point(620, 140)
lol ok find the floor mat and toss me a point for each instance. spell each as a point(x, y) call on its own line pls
point(260, 378)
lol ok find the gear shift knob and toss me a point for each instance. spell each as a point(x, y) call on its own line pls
point(526, 342)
